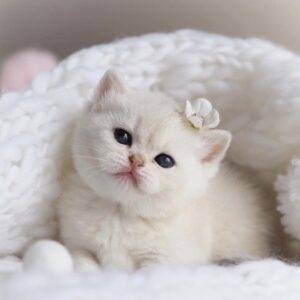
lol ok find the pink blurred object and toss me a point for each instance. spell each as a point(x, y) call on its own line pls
point(19, 69)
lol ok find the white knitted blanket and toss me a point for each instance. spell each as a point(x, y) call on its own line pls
point(265, 280)
point(255, 86)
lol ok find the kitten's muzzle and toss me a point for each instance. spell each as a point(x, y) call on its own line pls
point(131, 172)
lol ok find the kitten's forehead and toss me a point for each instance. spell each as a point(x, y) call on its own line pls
point(153, 117)
point(147, 102)
point(155, 112)
point(158, 118)
point(153, 104)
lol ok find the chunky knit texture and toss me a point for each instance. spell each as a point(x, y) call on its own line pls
point(267, 279)
point(253, 83)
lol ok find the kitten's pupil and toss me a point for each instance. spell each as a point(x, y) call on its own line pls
point(122, 136)
point(165, 160)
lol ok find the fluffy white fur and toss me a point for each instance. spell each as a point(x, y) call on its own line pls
point(288, 186)
point(185, 214)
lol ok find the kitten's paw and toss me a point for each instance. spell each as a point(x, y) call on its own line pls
point(47, 256)
point(84, 261)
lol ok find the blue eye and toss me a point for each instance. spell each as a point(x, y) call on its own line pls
point(165, 160)
point(122, 136)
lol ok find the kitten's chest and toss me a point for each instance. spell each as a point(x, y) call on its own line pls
point(121, 239)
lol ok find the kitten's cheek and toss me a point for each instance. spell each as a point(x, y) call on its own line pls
point(150, 185)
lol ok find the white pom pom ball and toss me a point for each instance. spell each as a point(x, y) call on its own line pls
point(47, 256)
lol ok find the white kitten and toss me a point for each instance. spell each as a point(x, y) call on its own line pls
point(147, 189)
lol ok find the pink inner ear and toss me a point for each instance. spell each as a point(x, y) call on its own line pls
point(217, 143)
point(110, 82)
point(213, 153)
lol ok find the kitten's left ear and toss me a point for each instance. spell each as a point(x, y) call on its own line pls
point(216, 143)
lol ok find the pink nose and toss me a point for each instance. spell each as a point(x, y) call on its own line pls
point(136, 160)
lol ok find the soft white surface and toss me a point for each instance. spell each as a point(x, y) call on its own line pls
point(269, 279)
point(253, 84)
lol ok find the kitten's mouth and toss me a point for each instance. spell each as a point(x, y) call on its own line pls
point(128, 175)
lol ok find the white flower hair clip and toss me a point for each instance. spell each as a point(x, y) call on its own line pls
point(201, 114)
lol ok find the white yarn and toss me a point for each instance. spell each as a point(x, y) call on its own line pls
point(252, 83)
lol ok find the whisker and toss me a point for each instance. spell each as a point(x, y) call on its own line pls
point(88, 157)
point(88, 147)
point(97, 168)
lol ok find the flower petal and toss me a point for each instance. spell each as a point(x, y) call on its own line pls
point(188, 109)
point(200, 113)
point(202, 107)
point(212, 120)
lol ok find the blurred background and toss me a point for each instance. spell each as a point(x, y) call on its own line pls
point(64, 26)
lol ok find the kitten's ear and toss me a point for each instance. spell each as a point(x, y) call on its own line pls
point(110, 81)
point(216, 143)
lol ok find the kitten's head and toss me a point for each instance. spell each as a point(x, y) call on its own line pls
point(138, 150)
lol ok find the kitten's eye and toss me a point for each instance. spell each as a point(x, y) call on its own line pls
point(164, 160)
point(122, 136)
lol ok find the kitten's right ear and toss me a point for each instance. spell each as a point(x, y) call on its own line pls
point(110, 81)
